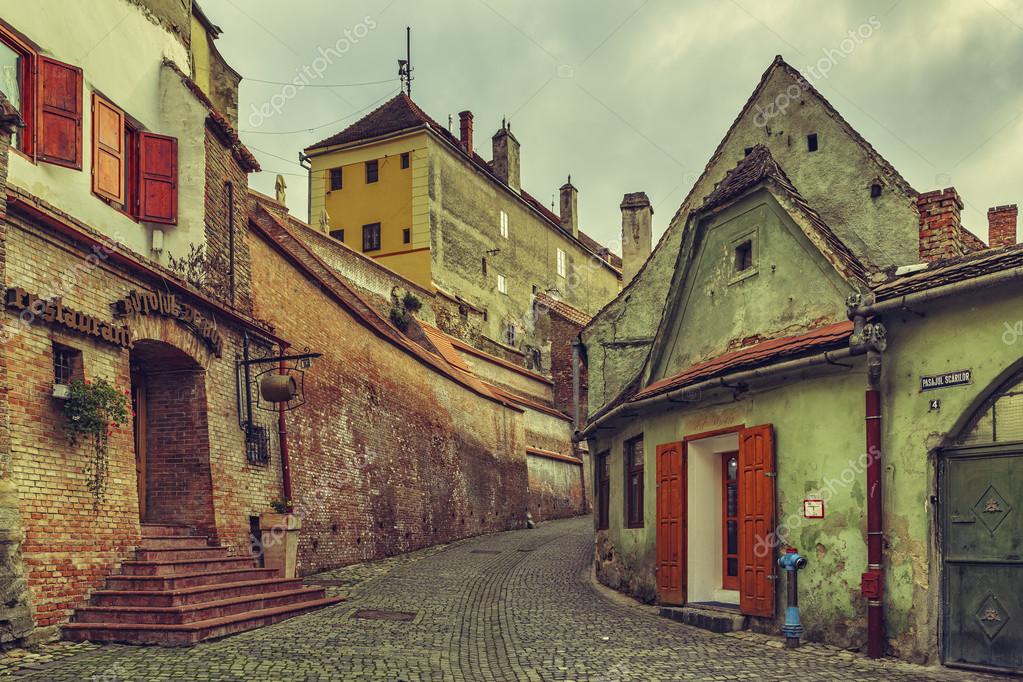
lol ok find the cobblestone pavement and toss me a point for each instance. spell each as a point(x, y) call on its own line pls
point(511, 606)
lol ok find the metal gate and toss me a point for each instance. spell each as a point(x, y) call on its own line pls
point(981, 506)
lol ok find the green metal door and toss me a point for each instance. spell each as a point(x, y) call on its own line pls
point(982, 523)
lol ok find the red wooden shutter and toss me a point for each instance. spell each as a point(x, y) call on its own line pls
point(671, 523)
point(158, 178)
point(107, 150)
point(59, 133)
point(756, 515)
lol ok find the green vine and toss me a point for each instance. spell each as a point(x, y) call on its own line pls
point(91, 412)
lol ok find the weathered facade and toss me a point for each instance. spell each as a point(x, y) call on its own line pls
point(732, 425)
point(402, 189)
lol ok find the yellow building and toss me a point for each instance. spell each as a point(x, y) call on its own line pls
point(399, 187)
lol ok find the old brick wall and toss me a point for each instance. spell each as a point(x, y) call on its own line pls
point(377, 473)
point(562, 334)
point(555, 488)
point(222, 169)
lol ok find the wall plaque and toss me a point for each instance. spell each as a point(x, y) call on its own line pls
point(958, 378)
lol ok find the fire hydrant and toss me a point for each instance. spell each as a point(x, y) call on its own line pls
point(792, 561)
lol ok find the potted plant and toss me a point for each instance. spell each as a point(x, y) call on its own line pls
point(92, 410)
point(279, 530)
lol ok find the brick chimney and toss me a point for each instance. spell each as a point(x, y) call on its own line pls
point(465, 130)
point(506, 157)
point(1001, 225)
point(569, 208)
point(637, 236)
point(940, 224)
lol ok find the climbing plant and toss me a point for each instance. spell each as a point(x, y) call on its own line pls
point(91, 412)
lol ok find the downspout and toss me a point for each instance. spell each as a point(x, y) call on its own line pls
point(576, 406)
point(871, 337)
point(282, 435)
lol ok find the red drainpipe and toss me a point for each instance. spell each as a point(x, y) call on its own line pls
point(282, 432)
point(872, 582)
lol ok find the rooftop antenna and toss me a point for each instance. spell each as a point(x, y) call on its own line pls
point(405, 65)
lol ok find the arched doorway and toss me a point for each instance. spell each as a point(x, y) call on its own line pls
point(172, 448)
point(981, 535)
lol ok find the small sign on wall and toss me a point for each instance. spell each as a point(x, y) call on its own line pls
point(960, 377)
point(813, 509)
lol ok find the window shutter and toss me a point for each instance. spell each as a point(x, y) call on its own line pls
point(59, 133)
point(756, 515)
point(671, 523)
point(158, 178)
point(107, 150)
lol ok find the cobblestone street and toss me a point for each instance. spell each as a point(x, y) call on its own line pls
point(511, 606)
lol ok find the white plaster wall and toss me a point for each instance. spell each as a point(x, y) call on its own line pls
point(120, 51)
point(704, 519)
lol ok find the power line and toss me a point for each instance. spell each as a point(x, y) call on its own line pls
point(263, 151)
point(324, 125)
point(296, 175)
point(320, 85)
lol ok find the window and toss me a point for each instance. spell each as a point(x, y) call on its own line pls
point(134, 170)
point(562, 264)
point(603, 491)
point(730, 520)
point(502, 284)
point(633, 456)
point(338, 234)
point(67, 364)
point(484, 265)
point(744, 256)
point(536, 289)
point(371, 237)
point(486, 315)
point(406, 236)
point(372, 171)
point(875, 190)
point(504, 224)
point(747, 151)
point(16, 83)
point(405, 160)
point(811, 142)
point(509, 333)
point(336, 179)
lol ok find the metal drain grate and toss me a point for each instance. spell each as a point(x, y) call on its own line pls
point(374, 614)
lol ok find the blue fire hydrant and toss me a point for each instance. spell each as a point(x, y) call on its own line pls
point(792, 562)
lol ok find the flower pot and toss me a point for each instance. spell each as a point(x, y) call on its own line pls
point(280, 542)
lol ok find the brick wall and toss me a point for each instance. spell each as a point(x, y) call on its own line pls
point(374, 472)
point(562, 334)
point(1001, 222)
point(222, 168)
point(941, 230)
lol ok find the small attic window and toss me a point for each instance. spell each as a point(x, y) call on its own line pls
point(811, 142)
point(875, 190)
point(747, 151)
point(744, 256)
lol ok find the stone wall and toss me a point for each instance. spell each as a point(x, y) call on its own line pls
point(555, 487)
point(388, 453)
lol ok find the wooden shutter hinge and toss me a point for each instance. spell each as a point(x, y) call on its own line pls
point(771, 474)
point(772, 577)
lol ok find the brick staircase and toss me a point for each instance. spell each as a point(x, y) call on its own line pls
point(179, 590)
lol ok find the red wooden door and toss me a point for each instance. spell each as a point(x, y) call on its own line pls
point(756, 513)
point(671, 523)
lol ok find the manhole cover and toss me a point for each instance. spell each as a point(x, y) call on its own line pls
point(374, 614)
point(484, 551)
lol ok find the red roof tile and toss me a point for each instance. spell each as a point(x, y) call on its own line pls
point(953, 270)
point(569, 312)
point(762, 353)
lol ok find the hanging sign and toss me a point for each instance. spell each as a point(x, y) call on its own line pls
point(960, 377)
point(168, 305)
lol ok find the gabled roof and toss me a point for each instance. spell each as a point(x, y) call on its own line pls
point(401, 113)
point(569, 312)
point(940, 273)
point(759, 166)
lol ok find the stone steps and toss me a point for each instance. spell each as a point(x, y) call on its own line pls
point(715, 620)
point(179, 589)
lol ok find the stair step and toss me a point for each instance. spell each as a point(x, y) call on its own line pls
point(174, 541)
point(192, 595)
point(164, 554)
point(185, 566)
point(189, 633)
point(149, 529)
point(177, 615)
point(175, 582)
point(715, 620)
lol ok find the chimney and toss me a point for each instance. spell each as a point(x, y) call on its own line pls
point(569, 208)
point(465, 130)
point(637, 235)
point(940, 226)
point(506, 157)
point(1001, 225)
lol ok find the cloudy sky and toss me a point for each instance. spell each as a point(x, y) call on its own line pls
point(635, 94)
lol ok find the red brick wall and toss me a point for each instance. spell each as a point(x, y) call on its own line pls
point(388, 455)
point(221, 168)
point(563, 333)
point(941, 232)
point(1001, 222)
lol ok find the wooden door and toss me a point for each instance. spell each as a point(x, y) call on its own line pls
point(757, 575)
point(981, 505)
point(671, 523)
point(138, 404)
